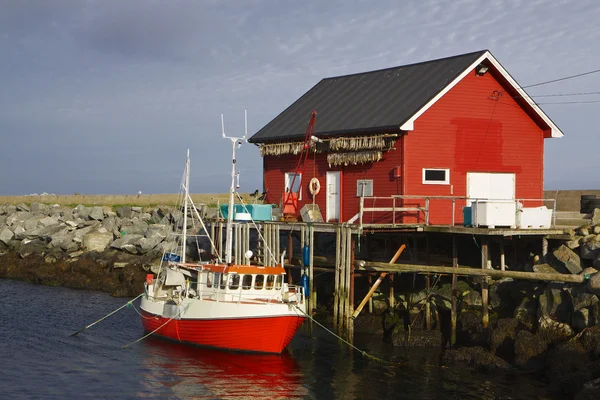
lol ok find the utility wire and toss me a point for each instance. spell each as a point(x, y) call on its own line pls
point(572, 102)
point(562, 79)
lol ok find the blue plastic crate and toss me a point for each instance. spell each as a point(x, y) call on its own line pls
point(467, 216)
point(260, 212)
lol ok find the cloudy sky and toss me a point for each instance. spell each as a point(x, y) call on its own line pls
point(105, 96)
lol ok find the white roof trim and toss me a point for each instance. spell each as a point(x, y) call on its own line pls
point(554, 131)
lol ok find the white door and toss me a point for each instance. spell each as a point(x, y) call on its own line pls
point(486, 185)
point(333, 196)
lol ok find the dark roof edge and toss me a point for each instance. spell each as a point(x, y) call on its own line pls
point(480, 52)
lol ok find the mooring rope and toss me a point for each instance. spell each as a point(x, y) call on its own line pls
point(362, 352)
point(107, 315)
point(148, 334)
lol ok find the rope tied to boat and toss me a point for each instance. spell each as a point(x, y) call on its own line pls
point(157, 329)
point(128, 304)
point(362, 352)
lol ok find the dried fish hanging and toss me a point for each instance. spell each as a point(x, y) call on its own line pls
point(362, 157)
point(279, 149)
point(379, 142)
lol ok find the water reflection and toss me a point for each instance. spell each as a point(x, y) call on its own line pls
point(197, 373)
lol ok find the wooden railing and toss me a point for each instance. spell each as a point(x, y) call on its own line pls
point(422, 209)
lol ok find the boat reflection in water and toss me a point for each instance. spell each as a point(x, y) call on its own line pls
point(198, 373)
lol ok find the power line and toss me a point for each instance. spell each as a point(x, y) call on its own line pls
point(573, 102)
point(562, 79)
point(562, 94)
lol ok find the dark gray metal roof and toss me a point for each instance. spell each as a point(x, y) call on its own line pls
point(371, 101)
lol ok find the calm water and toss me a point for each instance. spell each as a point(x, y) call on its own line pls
point(41, 361)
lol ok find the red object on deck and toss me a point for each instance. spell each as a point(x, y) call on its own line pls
point(263, 334)
point(149, 279)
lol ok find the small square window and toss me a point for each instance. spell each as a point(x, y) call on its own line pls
point(436, 176)
point(364, 188)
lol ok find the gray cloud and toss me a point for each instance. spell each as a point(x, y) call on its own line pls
point(105, 96)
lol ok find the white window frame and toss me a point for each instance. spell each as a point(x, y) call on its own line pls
point(368, 183)
point(288, 180)
point(444, 182)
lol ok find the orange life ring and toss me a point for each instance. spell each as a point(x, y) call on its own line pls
point(314, 186)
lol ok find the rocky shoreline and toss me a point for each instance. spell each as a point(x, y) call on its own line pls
point(536, 327)
point(95, 248)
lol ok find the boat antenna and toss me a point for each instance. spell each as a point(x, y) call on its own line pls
point(236, 142)
point(185, 205)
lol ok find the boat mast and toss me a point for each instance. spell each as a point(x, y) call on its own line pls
point(236, 142)
point(185, 204)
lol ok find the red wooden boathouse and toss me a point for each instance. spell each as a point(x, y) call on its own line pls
point(457, 126)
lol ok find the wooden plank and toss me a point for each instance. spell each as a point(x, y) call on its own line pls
point(453, 312)
point(377, 282)
point(485, 255)
point(336, 287)
point(466, 271)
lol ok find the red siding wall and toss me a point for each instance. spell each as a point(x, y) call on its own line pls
point(464, 131)
point(467, 130)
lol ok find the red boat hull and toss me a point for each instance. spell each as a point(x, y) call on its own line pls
point(264, 335)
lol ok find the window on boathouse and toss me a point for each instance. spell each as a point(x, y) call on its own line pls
point(289, 177)
point(364, 188)
point(435, 176)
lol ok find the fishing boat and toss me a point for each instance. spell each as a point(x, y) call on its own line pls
point(219, 304)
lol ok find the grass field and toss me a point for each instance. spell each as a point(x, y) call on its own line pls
point(113, 200)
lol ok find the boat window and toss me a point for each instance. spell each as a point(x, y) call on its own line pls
point(270, 281)
point(234, 281)
point(223, 280)
point(278, 282)
point(259, 281)
point(209, 279)
point(247, 282)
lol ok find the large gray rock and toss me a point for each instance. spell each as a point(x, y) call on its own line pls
point(82, 212)
point(16, 217)
point(124, 212)
point(136, 226)
point(526, 311)
point(30, 224)
point(590, 250)
point(47, 221)
point(80, 233)
point(593, 284)
point(568, 259)
point(23, 207)
point(97, 213)
point(581, 298)
point(148, 244)
point(64, 241)
point(111, 223)
point(555, 302)
point(97, 241)
point(127, 240)
point(158, 230)
point(39, 208)
point(19, 233)
point(6, 235)
point(596, 217)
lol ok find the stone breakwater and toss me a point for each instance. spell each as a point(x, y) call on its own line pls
point(85, 247)
point(550, 328)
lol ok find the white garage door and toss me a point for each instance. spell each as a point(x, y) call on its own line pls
point(489, 185)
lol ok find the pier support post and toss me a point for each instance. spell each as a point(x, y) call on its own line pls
point(427, 304)
point(336, 287)
point(544, 249)
point(311, 274)
point(502, 255)
point(343, 290)
point(290, 256)
point(350, 303)
point(453, 315)
point(484, 283)
point(370, 281)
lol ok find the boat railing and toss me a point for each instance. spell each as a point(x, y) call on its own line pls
point(266, 295)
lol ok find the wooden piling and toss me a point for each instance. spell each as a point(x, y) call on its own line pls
point(544, 249)
point(502, 256)
point(290, 256)
point(343, 293)
point(453, 315)
point(370, 281)
point(484, 283)
point(427, 303)
point(350, 302)
point(336, 286)
point(311, 275)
